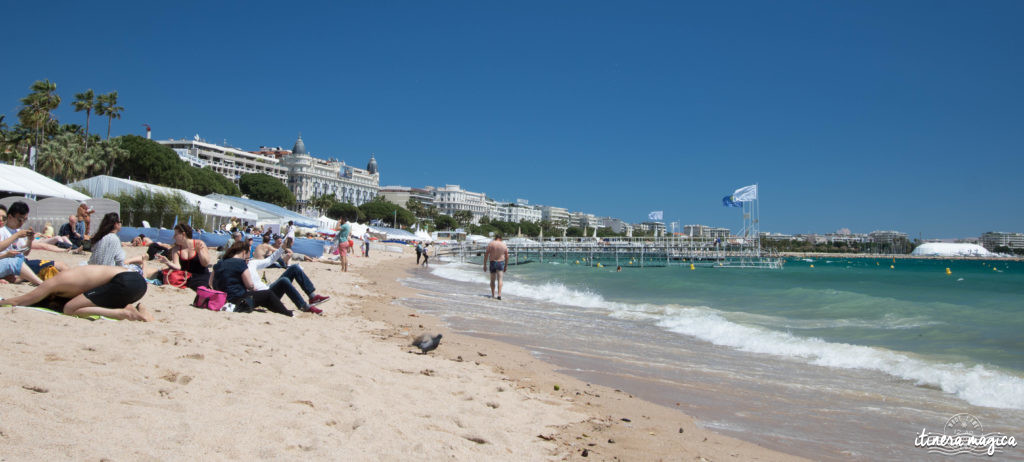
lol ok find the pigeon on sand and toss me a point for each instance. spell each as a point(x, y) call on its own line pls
point(426, 343)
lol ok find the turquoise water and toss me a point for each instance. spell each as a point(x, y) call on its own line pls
point(973, 316)
point(847, 360)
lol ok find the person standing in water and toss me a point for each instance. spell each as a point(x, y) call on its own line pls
point(496, 261)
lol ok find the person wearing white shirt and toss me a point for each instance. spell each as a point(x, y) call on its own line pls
point(283, 285)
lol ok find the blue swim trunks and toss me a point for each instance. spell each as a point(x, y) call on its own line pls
point(497, 266)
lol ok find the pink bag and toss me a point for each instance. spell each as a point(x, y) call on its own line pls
point(211, 299)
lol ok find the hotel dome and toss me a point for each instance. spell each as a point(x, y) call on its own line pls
point(300, 147)
point(370, 167)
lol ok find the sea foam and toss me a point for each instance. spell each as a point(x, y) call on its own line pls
point(977, 384)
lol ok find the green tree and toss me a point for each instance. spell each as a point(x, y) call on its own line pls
point(38, 107)
point(152, 162)
point(344, 209)
point(106, 105)
point(322, 203)
point(263, 187)
point(206, 181)
point(529, 228)
point(13, 142)
point(415, 206)
point(60, 157)
point(573, 231)
point(384, 210)
point(85, 101)
point(463, 217)
point(445, 222)
point(159, 210)
point(103, 156)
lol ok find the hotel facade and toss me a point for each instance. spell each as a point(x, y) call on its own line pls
point(306, 176)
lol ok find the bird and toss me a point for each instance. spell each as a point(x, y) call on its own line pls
point(426, 343)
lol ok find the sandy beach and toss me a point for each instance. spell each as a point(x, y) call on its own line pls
point(345, 385)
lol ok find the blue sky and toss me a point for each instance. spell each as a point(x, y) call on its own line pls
point(862, 114)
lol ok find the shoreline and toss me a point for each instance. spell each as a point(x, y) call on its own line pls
point(238, 386)
point(653, 431)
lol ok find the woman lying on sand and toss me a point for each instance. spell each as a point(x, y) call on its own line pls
point(91, 290)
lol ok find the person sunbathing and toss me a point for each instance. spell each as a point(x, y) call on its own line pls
point(90, 290)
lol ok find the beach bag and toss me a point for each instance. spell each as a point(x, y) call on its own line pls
point(48, 272)
point(176, 278)
point(210, 299)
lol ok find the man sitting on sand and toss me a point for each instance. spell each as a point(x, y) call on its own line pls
point(91, 290)
point(73, 230)
point(496, 261)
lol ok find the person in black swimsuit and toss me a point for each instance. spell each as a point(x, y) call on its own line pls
point(91, 290)
point(231, 275)
point(189, 255)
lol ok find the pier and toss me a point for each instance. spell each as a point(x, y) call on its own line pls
point(625, 252)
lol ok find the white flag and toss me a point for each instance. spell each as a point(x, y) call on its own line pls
point(744, 194)
point(656, 215)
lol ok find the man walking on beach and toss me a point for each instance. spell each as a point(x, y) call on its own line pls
point(496, 261)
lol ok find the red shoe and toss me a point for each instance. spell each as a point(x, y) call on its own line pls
point(316, 310)
point(318, 299)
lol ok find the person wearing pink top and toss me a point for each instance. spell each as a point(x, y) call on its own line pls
point(496, 261)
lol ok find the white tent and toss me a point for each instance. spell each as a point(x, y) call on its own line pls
point(102, 185)
point(946, 249)
point(327, 223)
point(20, 180)
point(267, 213)
point(424, 236)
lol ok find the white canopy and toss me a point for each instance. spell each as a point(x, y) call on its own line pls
point(949, 249)
point(327, 223)
point(20, 180)
point(103, 184)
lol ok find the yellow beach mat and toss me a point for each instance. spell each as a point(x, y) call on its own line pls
point(47, 310)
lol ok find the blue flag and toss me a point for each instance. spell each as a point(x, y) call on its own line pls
point(729, 202)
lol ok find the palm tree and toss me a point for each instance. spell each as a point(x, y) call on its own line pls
point(106, 105)
point(61, 157)
point(85, 101)
point(38, 105)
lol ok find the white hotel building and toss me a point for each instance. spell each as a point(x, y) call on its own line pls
point(310, 177)
point(230, 162)
point(451, 198)
point(306, 176)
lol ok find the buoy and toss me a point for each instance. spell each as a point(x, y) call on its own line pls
point(876, 264)
point(600, 265)
point(948, 271)
point(577, 262)
point(812, 266)
point(892, 266)
point(692, 267)
point(995, 269)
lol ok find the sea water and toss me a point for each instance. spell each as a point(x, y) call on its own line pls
point(829, 358)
